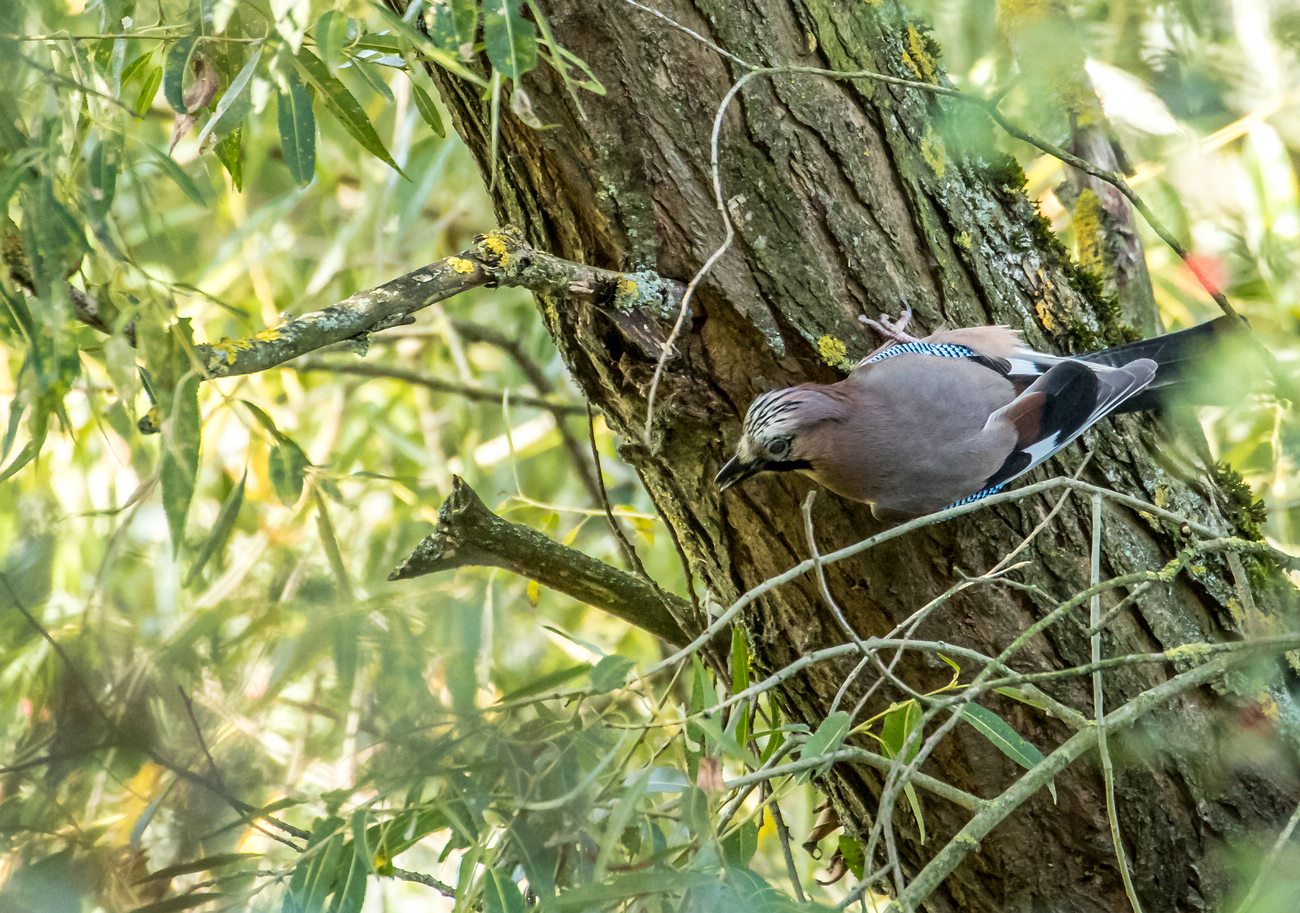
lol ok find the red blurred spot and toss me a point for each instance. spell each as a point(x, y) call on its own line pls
point(1209, 270)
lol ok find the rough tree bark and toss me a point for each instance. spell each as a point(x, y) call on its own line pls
point(852, 197)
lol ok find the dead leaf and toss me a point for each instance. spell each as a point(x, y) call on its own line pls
point(828, 822)
point(709, 776)
point(204, 87)
point(198, 94)
point(836, 869)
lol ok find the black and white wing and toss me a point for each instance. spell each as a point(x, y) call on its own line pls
point(1067, 399)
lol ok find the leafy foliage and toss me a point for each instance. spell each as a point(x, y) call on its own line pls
point(188, 171)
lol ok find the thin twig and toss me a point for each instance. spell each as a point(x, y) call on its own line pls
point(629, 552)
point(1099, 712)
point(783, 835)
point(438, 385)
point(1270, 862)
point(1037, 777)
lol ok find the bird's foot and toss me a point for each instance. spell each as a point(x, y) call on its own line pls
point(893, 330)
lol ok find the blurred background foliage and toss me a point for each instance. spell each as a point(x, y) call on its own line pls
point(158, 670)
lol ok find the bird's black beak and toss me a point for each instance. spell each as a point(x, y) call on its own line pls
point(734, 471)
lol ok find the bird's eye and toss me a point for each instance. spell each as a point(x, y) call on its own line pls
point(780, 447)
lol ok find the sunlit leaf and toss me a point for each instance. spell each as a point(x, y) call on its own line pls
point(230, 108)
point(511, 40)
point(105, 163)
point(175, 67)
point(180, 439)
point(288, 469)
point(452, 25)
point(229, 151)
point(331, 31)
point(297, 128)
point(219, 535)
point(148, 90)
point(342, 104)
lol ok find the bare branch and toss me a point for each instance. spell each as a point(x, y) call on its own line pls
point(470, 535)
point(438, 385)
point(499, 258)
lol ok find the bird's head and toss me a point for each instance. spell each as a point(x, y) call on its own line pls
point(778, 431)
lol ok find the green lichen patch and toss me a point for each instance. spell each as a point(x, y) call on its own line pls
point(1246, 512)
point(932, 153)
point(1194, 652)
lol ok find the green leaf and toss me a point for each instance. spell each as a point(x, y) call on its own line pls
point(897, 725)
point(206, 864)
point(297, 128)
point(1024, 697)
point(228, 113)
point(39, 424)
point(1004, 738)
point(288, 467)
point(148, 90)
point(914, 802)
point(15, 173)
point(55, 240)
point(175, 66)
point(589, 897)
point(739, 847)
point(181, 431)
point(501, 895)
point(610, 673)
point(511, 40)
point(351, 893)
point(854, 858)
point(546, 682)
point(263, 419)
point(331, 31)
point(900, 723)
point(453, 24)
point(695, 813)
point(317, 868)
point(183, 902)
point(134, 68)
point(739, 682)
point(230, 153)
point(179, 177)
point(833, 730)
point(105, 162)
point(221, 530)
point(428, 110)
point(739, 660)
point(343, 105)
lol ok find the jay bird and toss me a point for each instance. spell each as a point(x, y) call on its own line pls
point(923, 424)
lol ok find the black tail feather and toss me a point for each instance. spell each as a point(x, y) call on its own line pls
point(1175, 355)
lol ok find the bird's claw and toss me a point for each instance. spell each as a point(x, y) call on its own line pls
point(894, 330)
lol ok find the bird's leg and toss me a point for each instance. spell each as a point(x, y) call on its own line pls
point(893, 330)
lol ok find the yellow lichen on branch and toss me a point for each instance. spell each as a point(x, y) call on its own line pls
point(916, 56)
point(834, 352)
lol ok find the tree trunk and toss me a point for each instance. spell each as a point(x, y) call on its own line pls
point(849, 198)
